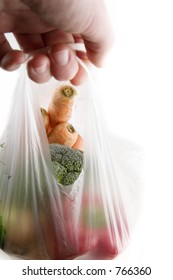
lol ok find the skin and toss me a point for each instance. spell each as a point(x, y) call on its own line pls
point(44, 29)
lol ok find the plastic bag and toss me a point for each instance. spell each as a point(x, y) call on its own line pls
point(43, 219)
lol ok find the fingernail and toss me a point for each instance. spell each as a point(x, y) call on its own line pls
point(39, 70)
point(61, 57)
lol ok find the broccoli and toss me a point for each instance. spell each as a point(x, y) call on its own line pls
point(67, 163)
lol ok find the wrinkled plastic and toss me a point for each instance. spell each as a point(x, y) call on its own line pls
point(43, 220)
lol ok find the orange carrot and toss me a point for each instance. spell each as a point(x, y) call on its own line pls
point(64, 134)
point(45, 117)
point(79, 144)
point(61, 105)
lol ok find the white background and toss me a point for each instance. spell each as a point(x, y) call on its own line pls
point(138, 104)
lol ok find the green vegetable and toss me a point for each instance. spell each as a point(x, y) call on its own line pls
point(67, 163)
point(2, 233)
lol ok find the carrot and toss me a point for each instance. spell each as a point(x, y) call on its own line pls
point(64, 134)
point(45, 117)
point(61, 105)
point(79, 144)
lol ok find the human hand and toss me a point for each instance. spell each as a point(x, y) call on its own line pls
point(53, 25)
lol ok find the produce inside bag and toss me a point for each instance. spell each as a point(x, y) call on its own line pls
point(63, 191)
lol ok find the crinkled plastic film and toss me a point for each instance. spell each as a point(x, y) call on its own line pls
point(41, 219)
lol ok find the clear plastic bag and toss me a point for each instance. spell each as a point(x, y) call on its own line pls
point(39, 217)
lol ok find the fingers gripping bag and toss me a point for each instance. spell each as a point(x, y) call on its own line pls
point(66, 187)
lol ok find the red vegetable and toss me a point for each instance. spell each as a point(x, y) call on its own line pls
point(85, 237)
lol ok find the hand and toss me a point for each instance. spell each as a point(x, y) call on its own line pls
point(53, 24)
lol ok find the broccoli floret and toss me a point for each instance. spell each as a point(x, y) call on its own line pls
point(67, 163)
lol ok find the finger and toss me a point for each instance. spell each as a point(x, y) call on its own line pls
point(9, 59)
point(4, 46)
point(78, 38)
point(81, 76)
point(97, 51)
point(57, 37)
point(99, 37)
point(39, 68)
point(63, 62)
point(29, 42)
